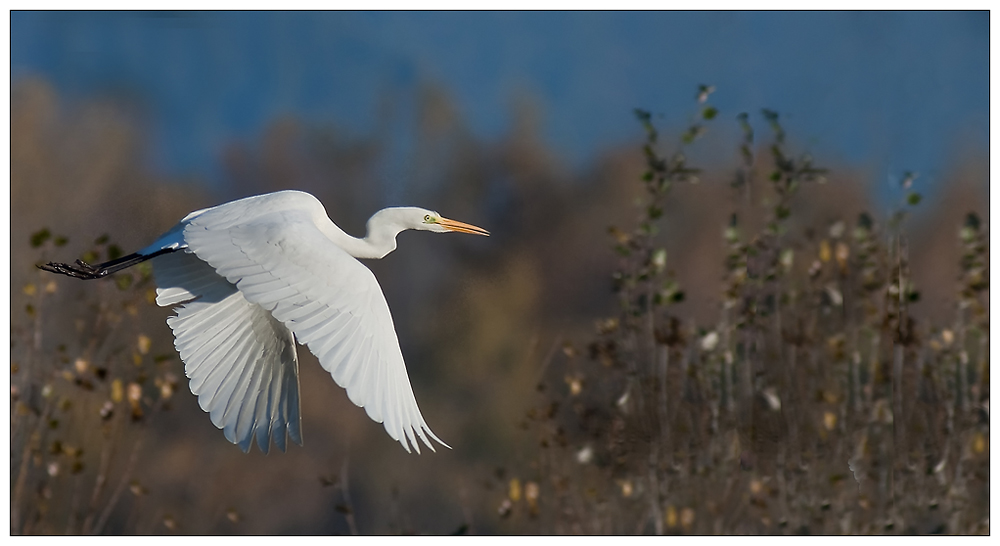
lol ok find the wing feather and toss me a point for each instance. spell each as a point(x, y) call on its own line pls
point(362, 373)
point(291, 405)
point(208, 358)
point(247, 416)
point(277, 408)
point(226, 397)
point(376, 409)
point(221, 367)
point(217, 324)
point(303, 312)
point(241, 362)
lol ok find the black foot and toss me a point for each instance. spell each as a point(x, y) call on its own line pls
point(82, 270)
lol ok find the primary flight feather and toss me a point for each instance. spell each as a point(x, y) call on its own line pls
point(251, 277)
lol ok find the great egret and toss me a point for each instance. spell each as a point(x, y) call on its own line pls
point(249, 278)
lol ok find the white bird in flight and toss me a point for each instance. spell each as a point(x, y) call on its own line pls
point(250, 277)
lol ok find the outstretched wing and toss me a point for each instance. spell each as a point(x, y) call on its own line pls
point(281, 261)
point(240, 360)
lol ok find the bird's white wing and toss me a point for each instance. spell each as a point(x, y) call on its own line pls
point(281, 261)
point(240, 360)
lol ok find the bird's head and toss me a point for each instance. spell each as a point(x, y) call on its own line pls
point(428, 220)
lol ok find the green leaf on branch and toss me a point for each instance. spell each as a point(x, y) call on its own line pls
point(39, 237)
point(123, 281)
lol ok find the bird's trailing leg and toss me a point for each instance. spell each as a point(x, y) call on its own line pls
point(83, 270)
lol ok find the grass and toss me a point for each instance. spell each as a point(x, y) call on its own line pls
point(811, 398)
point(815, 404)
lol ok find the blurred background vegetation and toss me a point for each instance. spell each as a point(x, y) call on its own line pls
point(690, 335)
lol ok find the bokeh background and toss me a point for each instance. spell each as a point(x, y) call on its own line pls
point(522, 123)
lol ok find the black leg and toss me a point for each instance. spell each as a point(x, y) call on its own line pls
point(83, 270)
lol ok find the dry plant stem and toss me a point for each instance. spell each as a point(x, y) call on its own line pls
point(984, 358)
point(346, 493)
point(734, 499)
point(961, 368)
point(466, 510)
point(101, 316)
point(654, 456)
point(726, 381)
point(22, 475)
point(549, 356)
point(790, 405)
point(18, 492)
point(29, 365)
point(874, 373)
point(897, 367)
point(746, 387)
point(151, 529)
point(74, 505)
point(633, 385)
point(36, 337)
point(664, 413)
point(107, 450)
point(855, 379)
point(394, 516)
point(654, 489)
point(131, 521)
point(126, 474)
point(899, 430)
point(782, 484)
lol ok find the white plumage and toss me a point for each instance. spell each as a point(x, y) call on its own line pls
point(251, 277)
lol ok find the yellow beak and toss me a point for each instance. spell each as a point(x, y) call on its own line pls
point(461, 227)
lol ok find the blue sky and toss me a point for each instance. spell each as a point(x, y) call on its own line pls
point(887, 91)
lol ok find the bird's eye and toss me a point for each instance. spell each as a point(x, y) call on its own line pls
point(427, 218)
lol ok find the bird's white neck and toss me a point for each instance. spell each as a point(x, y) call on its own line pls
point(379, 241)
